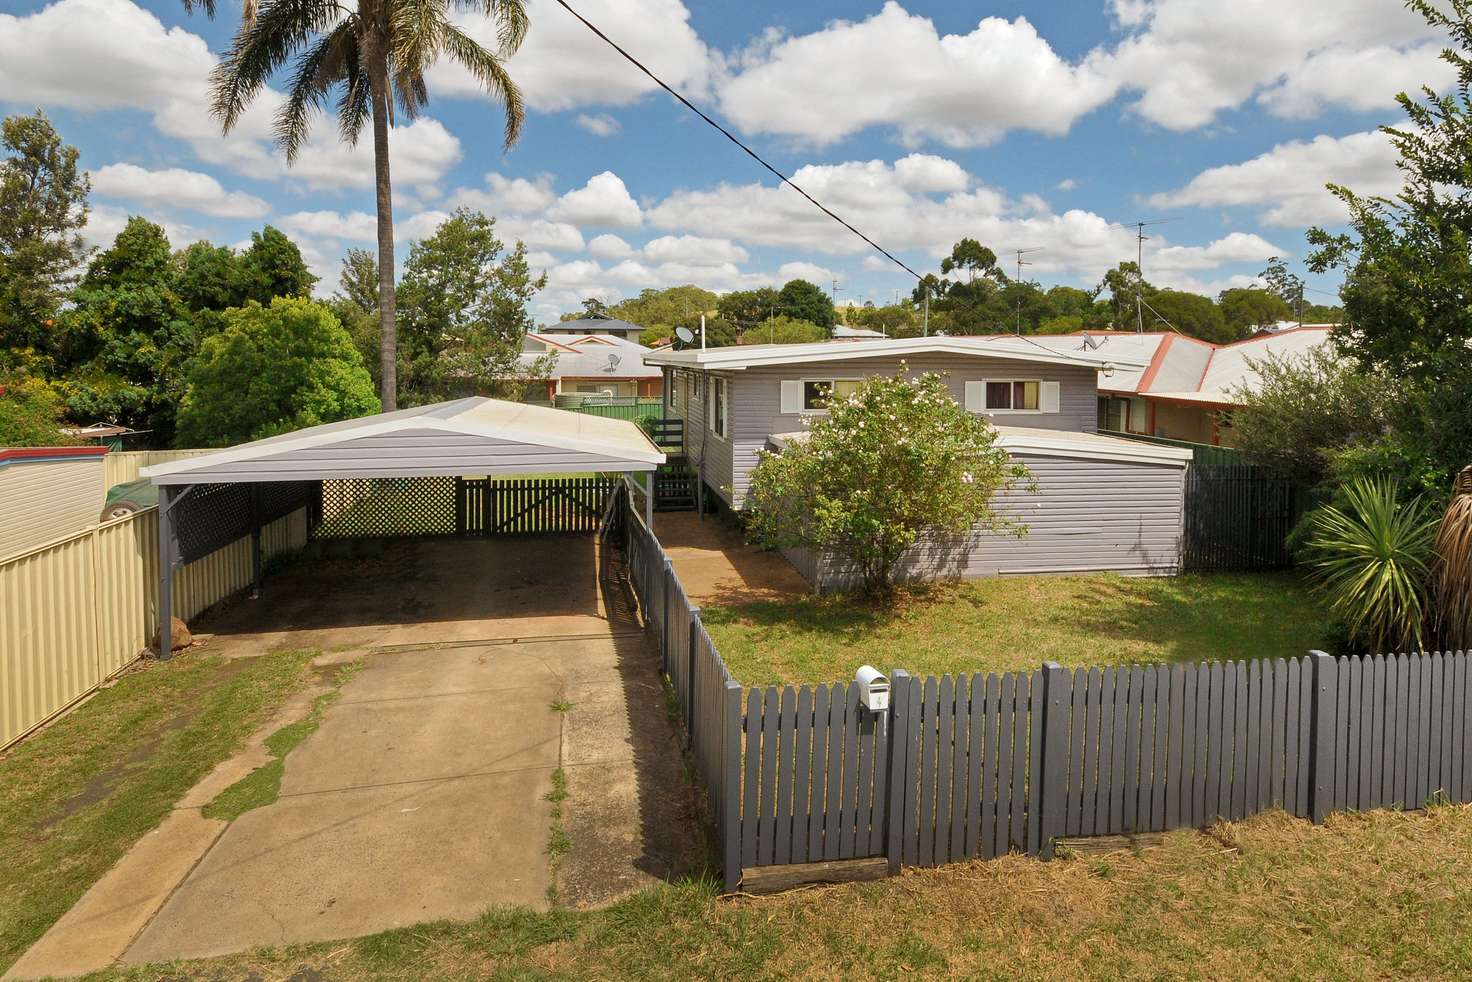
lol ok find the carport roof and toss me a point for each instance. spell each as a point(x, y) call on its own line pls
point(465, 436)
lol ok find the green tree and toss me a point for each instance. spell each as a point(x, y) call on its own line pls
point(210, 277)
point(43, 207)
point(661, 311)
point(272, 370)
point(973, 260)
point(1123, 283)
point(1285, 285)
point(1307, 410)
point(805, 301)
point(1189, 313)
point(746, 308)
point(1407, 263)
point(1246, 309)
point(374, 55)
point(128, 335)
point(783, 330)
point(464, 311)
point(896, 461)
point(355, 304)
point(273, 267)
point(31, 413)
point(594, 308)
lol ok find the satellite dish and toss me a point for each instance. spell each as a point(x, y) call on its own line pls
point(613, 361)
point(684, 334)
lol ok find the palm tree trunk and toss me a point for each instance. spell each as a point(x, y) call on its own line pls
point(388, 347)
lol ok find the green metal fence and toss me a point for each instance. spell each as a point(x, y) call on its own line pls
point(625, 407)
point(1202, 454)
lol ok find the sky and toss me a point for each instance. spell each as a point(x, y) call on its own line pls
point(1045, 126)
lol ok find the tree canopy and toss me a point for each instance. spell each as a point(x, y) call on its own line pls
point(272, 370)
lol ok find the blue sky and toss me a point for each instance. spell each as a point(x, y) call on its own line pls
point(1023, 125)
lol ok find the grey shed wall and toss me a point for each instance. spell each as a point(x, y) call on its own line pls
point(1088, 516)
point(756, 406)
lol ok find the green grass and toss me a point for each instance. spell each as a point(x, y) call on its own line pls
point(75, 796)
point(262, 786)
point(1009, 624)
point(558, 841)
point(1379, 895)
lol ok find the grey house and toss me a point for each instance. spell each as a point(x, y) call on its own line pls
point(1103, 503)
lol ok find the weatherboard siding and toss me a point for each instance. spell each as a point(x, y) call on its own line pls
point(708, 454)
point(1087, 516)
point(756, 398)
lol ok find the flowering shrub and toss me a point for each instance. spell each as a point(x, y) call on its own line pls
point(896, 460)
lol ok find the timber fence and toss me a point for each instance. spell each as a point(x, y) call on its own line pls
point(981, 765)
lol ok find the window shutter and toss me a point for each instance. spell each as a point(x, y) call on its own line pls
point(975, 396)
point(1048, 401)
point(791, 396)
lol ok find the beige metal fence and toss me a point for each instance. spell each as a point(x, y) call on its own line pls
point(123, 466)
point(78, 610)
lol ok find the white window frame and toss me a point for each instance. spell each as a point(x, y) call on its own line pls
point(1012, 412)
point(803, 384)
point(718, 407)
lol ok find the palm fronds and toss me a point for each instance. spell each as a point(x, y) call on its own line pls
point(1452, 567)
point(1369, 557)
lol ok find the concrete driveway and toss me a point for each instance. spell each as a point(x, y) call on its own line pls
point(423, 793)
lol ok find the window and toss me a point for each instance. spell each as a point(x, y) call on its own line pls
point(715, 410)
point(1013, 395)
point(677, 379)
point(816, 393)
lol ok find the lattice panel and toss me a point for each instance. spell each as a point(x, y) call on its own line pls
point(210, 517)
point(389, 506)
point(278, 499)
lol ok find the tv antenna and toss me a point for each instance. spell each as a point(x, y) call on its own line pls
point(1021, 263)
point(1140, 238)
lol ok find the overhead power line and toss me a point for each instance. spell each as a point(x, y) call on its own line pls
point(732, 137)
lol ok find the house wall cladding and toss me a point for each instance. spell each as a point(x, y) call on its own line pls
point(1087, 515)
point(986, 764)
point(47, 500)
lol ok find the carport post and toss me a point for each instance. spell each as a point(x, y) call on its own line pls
point(166, 501)
point(255, 541)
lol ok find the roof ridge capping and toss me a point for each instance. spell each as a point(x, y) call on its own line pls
point(1016, 347)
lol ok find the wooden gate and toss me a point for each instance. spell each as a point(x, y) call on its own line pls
point(530, 506)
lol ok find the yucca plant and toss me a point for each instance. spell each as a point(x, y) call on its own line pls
point(1452, 567)
point(1369, 556)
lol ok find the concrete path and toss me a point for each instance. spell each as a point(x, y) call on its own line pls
point(717, 568)
point(422, 795)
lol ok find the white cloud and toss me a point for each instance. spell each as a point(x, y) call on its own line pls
point(358, 226)
point(610, 246)
point(541, 260)
point(1067, 184)
point(600, 124)
point(1236, 247)
point(562, 65)
point(104, 222)
point(538, 233)
point(927, 173)
point(1287, 182)
point(504, 195)
point(694, 250)
point(812, 272)
point(420, 154)
point(1191, 59)
point(175, 187)
point(603, 201)
point(895, 69)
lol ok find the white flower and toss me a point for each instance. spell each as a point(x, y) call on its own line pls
point(968, 478)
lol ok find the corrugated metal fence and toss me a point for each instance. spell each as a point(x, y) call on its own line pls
point(986, 764)
point(79, 610)
point(120, 467)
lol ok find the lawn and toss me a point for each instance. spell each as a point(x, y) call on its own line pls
point(1007, 624)
point(75, 796)
point(1379, 895)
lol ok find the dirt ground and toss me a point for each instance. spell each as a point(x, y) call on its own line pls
point(492, 671)
point(717, 567)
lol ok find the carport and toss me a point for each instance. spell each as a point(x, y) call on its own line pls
point(206, 502)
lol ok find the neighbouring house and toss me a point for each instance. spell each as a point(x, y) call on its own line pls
point(1185, 391)
point(47, 493)
point(1103, 502)
point(593, 325)
point(593, 365)
point(844, 331)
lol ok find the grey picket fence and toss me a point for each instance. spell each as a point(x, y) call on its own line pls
point(986, 764)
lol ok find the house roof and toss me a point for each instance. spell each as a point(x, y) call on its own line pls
point(596, 356)
point(595, 325)
point(1009, 346)
point(1057, 443)
point(45, 455)
point(464, 436)
point(1186, 369)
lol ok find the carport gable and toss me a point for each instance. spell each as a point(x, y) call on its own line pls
point(465, 437)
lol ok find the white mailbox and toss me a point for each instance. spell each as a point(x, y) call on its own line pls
point(873, 689)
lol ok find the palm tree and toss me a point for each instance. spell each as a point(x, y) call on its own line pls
point(373, 55)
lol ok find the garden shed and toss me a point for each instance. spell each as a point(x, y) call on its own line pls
point(429, 470)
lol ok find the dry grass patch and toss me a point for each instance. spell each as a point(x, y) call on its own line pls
point(1381, 895)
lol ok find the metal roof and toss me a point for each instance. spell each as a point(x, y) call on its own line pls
point(588, 356)
point(464, 437)
point(1009, 346)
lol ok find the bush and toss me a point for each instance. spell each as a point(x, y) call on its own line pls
point(273, 370)
point(895, 460)
point(31, 414)
point(1368, 554)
